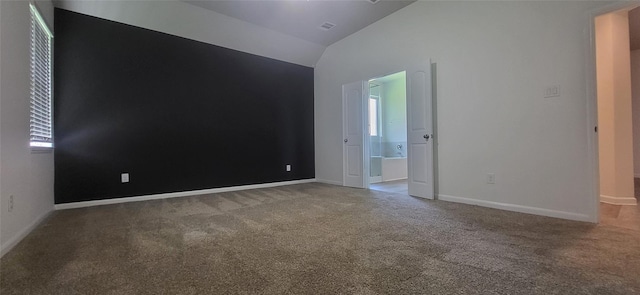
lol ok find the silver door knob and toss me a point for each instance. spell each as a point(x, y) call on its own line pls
point(346, 140)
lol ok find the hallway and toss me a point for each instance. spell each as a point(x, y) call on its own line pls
point(622, 216)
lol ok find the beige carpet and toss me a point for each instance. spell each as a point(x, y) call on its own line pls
point(317, 239)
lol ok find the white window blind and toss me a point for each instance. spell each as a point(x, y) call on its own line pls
point(41, 122)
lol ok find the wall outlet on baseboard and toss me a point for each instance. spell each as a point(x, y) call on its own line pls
point(124, 177)
point(10, 207)
point(288, 167)
point(491, 178)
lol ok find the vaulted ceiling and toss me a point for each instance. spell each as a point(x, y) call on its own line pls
point(302, 19)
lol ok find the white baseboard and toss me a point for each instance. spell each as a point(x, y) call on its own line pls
point(521, 209)
point(375, 179)
point(13, 241)
point(177, 194)
point(329, 181)
point(618, 200)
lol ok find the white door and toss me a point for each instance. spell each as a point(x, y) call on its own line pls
point(420, 131)
point(353, 118)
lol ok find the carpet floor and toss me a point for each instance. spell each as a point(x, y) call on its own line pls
point(317, 239)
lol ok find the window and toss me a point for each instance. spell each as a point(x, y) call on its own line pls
point(373, 117)
point(41, 120)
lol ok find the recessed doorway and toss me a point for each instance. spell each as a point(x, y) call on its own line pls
point(617, 61)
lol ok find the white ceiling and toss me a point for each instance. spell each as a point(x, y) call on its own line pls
point(302, 18)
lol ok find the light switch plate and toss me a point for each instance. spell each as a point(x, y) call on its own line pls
point(124, 177)
point(552, 91)
point(491, 178)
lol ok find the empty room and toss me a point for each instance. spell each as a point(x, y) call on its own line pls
point(317, 147)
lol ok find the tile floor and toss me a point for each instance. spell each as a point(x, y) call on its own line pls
point(396, 186)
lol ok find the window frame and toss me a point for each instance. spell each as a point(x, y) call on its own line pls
point(38, 25)
point(373, 117)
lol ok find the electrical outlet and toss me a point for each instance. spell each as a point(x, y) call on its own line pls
point(124, 177)
point(491, 178)
point(288, 167)
point(10, 203)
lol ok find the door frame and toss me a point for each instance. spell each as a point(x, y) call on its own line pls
point(592, 101)
point(367, 140)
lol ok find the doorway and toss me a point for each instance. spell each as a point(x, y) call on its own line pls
point(387, 126)
point(617, 118)
point(359, 126)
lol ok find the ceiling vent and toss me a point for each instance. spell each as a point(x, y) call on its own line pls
point(327, 26)
point(373, 1)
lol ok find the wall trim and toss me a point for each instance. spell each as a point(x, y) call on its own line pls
point(15, 240)
point(618, 200)
point(333, 182)
point(520, 208)
point(178, 194)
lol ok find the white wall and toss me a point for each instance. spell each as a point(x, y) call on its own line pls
point(494, 61)
point(394, 111)
point(25, 175)
point(615, 133)
point(635, 90)
point(189, 21)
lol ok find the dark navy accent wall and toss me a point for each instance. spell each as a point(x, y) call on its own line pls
point(174, 113)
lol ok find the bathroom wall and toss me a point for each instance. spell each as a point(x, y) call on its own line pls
point(394, 118)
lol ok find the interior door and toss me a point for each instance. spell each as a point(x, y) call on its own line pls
point(354, 145)
point(420, 131)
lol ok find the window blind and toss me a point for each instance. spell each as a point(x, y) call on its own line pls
point(41, 117)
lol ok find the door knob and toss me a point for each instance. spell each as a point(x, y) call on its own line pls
point(426, 136)
point(346, 140)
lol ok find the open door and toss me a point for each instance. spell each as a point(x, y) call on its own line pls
point(420, 131)
point(355, 148)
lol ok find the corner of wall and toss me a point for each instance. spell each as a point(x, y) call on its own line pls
point(26, 176)
point(635, 106)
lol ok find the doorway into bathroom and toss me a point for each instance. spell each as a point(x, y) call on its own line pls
point(411, 151)
point(388, 133)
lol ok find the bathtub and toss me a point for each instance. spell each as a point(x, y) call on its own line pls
point(394, 168)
